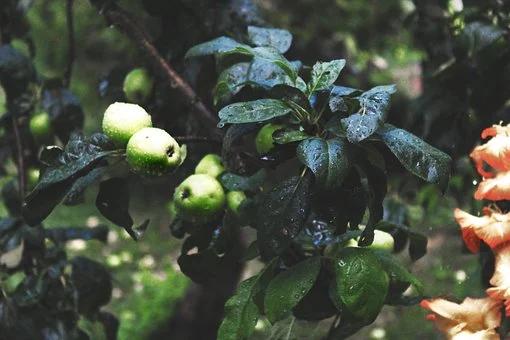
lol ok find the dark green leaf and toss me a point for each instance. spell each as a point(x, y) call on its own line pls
point(93, 284)
point(416, 156)
point(231, 81)
point(376, 189)
point(77, 160)
point(215, 46)
point(360, 284)
point(281, 215)
point(254, 111)
point(285, 136)
point(75, 194)
point(272, 55)
point(288, 288)
point(374, 106)
point(233, 182)
point(324, 74)
point(16, 71)
point(397, 272)
point(273, 37)
point(478, 35)
point(113, 203)
point(241, 311)
point(417, 245)
point(339, 98)
point(328, 160)
point(293, 97)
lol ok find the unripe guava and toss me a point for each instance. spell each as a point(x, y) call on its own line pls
point(210, 165)
point(264, 140)
point(138, 85)
point(122, 120)
point(152, 151)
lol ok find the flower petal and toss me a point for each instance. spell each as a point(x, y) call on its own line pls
point(496, 153)
point(494, 189)
point(472, 315)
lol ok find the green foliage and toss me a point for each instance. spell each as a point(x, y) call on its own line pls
point(153, 305)
point(361, 284)
point(288, 288)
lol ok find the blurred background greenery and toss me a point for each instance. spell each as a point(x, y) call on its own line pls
point(378, 40)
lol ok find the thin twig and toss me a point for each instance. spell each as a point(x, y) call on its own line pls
point(22, 180)
point(71, 45)
point(196, 139)
point(120, 18)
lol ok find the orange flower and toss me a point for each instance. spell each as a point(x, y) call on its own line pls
point(501, 277)
point(494, 189)
point(472, 319)
point(493, 228)
point(496, 130)
point(496, 153)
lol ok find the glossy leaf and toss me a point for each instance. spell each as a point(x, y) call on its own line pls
point(324, 74)
point(281, 215)
point(374, 106)
point(417, 156)
point(288, 288)
point(285, 136)
point(215, 46)
point(360, 284)
point(328, 160)
point(234, 182)
point(278, 38)
point(241, 310)
point(254, 111)
point(338, 98)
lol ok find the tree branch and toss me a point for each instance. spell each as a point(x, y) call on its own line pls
point(196, 139)
point(122, 19)
point(71, 45)
point(22, 180)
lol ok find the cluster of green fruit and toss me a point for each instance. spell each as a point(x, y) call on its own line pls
point(201, 197)
point(149, 150)
point(138, 85)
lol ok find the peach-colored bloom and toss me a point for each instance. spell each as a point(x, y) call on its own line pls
point(496, 130)
point(471, 319)
point(501, 277)
point(494, 189)
point(493, 228)
point(495, 153)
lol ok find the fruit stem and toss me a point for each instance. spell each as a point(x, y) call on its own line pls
point(22, 180)
point(70, 48)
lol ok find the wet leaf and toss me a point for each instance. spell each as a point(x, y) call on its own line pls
point(288, 288)
point(417, 156)
point(340, 96)
point(254, 111)
point(281, 215)
point(374, 106)
point(324, 74)
point(241, 311)
point(234, 182)
point(328, 160)
point(273, 37)
point(361, 284)
point(215, 46)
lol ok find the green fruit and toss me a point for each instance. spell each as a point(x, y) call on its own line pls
point(199, 198)
point(122, 120)
point(234, 200)
point(32, 177)
point(382, 241)
point(210, 165)
point(152, 151)
point(264, 140)
point(40, 126)
point(138, 85)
